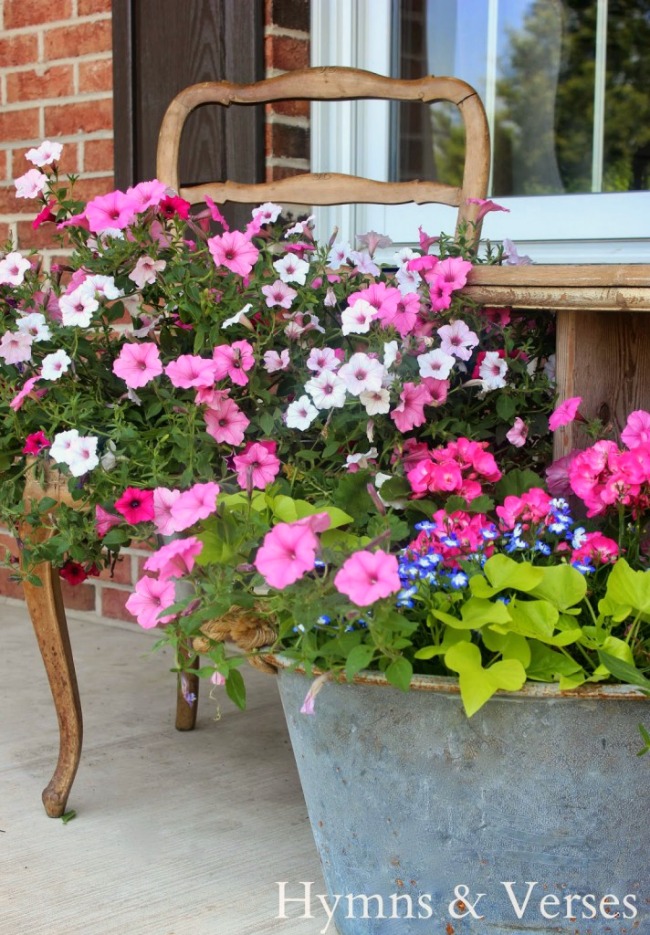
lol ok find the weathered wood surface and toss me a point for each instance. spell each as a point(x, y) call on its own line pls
point(330, 84)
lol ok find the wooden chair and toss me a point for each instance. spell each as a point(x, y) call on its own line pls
point(44, 603)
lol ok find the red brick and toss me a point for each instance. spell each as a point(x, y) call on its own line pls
point(96, 76)
point(8, 587)
point(288, 141)
point(112, 604)
point(18, 50)
point(19, 13)
point(291, 108)
point(78, 596)
point(275, 173)
point(45, 238)
point(84, 117)
point(4, 234)
point(8, 544)
point(88, 7)
point(286, 53)
point(30, 86)
point(99, 156)
point(9, 204)
point(71, 41)
point(19, 124)
point(67, 163)
point(121, 572)
point(85, 189)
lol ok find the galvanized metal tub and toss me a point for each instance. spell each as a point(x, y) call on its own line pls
point(408, 798)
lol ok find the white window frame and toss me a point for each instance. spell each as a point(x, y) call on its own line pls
point(589, 228)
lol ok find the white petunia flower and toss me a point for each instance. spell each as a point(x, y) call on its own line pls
point(300, 413)
point(326, 390)
point(62, 445)
point(267, 213)
point(274, 361)
point(77, 308)
point(82, 455)
point(492, 371)
point(292, 269)
point(360, 462)
point(145, 271)
point(391, 353)
point(13, 269)
point(356, 319)
point(35, 325)
point(55, 365)
point(408, 280)
point(31, 184)
point(436, 364)
point(338, 254)
point(362, 374)
point(45, 154)
point(239, 318)
point(376, 402)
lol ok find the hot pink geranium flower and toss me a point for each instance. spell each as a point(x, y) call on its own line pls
point(150, 598)
point(366, 577)
point(564, 413)
point(190, 370)
point(115, 210)
point(287, 553)
point(138, 364)
point(35, 443)
point(233, 250)
point(105, 520)
point(226, 423)
point(136, 506)
point(518, 433)
point(163, 501)
point(176, 559)
point(199, 502)
point(637, 429)
point(257, 465)
point(409, 412)
point(232, 361)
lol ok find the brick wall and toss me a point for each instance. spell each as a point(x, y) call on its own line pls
point(56, 83)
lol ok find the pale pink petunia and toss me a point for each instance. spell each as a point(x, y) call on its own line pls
point(310, 697)
point(267, 213)
point(15, 347)
point(518, 433)
point(226, 423)
point(292, 269)
point(163, 501)
point(326, 390)
point(300, 413)
point(273, 362)
point(216, 214)
point(323, 358)
point(176, 559)
point(338, 255)
point(362, 374)
point(637, 429)
point(492, 371)
point(190, 370)
point(409, 412)
point(436, 364)
point(31, 184)
point(257, 465)
point(565, 413)
point(366, 577)
point(145, 271)
point(233, 361)
point(45, 154)
point(457, 339)
point(357, 318)
point(287, 553)
point(13, 268)
point(512, 257)
point(114, 211)
point(138, 364)
point(194, 504)
point(23, 393)
point(105, 520)
point(147, 194)
point(78, 307)
point(233, 250)
point(150, 598)
point(280, 294)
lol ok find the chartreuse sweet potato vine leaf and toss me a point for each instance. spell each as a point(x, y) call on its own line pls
point(477, 684)
point(562, 585)
point(627, 592)
point(501, 573)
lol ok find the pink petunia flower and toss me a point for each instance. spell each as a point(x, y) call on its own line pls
point(457, 339)
point(190, 370)
point(565, 413)
point(45, 215)
point(257, 465)
point(15, 347)
point(280, 294)
point(13, 268)
point(557, 476)
point(35, 443)
point(138, 364)
point(637, 429)
point(216, 214)
point(518, 433)
point(147, 194)
point(232, 361)
point(31, 184)
point(366, 577)
point(150, 598)
point(176, 559)
point(198, 502)
point(233, 250)
point(136, 506)
point(113, 211)
point(274, 361)
point(163, 501)
point(23, 393)
point(225, 422)
point(287, 553)
point(105, 520)
point(409, 412)
point(486, 205)
point(45, 154)
point(145, 270)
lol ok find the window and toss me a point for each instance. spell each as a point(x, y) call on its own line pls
point(565, 85)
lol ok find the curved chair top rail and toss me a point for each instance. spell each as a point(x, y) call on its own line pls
point(333, 84)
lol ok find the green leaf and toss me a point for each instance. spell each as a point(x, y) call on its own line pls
point(547, 665)
point(68, 816)
point(236, 689)
point(115, 537)
point(626, 589)
point(399, 673)
point(504, 573)
point(510, 645)
point(536, 619)
point(477, 684)
point(46, 504)
point(506, 407)
point(623, 671)
point(562, 585)
point(358, 658)
point(482, 504)
point(516, 482)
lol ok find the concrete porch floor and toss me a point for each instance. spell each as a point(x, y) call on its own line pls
point(176, 833)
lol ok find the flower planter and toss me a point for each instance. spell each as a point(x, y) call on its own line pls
point(408, 797)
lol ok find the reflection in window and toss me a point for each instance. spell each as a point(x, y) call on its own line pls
point(565, 84)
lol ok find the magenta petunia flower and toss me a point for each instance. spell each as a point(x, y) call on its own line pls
point(138, 364)
point(365, 577)
point(150, 598)
point(136, 506)
point(226, 423)
point(233, 250)
point(287, 553)
point(115, 210)
point(35, 443)
point(191, 370)
point(256, 466)
point(198, 502)
point(565, 413)
point(174, 560)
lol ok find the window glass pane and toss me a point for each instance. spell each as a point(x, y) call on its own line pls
point(565, 83)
